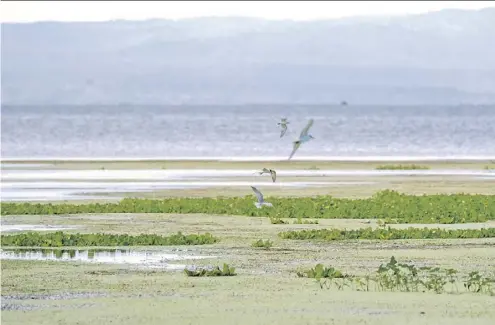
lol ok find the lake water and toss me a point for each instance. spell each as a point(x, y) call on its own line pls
point(245, 131)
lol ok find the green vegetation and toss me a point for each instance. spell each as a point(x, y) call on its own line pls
point(388, 234)
point(440, 208)
point(402, 167)
point(403, 277)
point(262, 244)
point(321, 272)
point(61, 239)
point(277, 221)
point(216, 271)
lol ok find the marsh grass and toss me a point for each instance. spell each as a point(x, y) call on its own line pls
point(215, 271)
point(402, 167)
point(61, 239)
point(402, 277)
point(262, 244)
point(388, 233)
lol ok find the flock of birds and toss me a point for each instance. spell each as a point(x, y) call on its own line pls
point(303, 137)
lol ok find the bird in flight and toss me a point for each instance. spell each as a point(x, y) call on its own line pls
point(269, 171)
point(260, 202)
point(303, 137)
point(283, 124)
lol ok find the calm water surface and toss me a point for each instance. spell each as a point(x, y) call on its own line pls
point(245, 131)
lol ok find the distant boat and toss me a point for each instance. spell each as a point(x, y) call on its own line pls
point(343, 103)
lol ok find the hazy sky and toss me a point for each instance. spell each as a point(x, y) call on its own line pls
point(297, 10)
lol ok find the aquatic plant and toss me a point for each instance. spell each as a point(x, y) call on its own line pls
point(277, 221)
point(402, 167)
point(320, 271)
point(61, 239)
point(387, 233)
point(262, 244)
point(402, 277)
point(211, 271)
point(440, 208)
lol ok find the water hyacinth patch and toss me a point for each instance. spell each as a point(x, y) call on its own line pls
point(387, 234)
point(61, 239)
point(439, 208)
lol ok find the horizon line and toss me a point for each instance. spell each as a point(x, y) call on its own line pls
point(294, 20)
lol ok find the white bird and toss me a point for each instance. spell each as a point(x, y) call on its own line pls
point(260, 202)
point(303, 137)
point(269, 171)
point(283, 124)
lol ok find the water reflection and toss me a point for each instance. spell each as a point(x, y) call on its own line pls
point(155, 259)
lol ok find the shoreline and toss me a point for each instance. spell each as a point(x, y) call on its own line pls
point(301, 164)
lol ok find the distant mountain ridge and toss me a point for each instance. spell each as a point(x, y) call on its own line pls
point(445, 57)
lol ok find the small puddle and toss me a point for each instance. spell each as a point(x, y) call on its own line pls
point(18, 228)
point(148, 259)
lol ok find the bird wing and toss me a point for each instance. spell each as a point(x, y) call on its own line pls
point(297, 144)
point(274, 175)
point(258, 194)
point(284, 129)
point(306, 129)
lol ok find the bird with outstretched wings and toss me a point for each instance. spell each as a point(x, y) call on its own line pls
point(283, 124)
point(303, 137)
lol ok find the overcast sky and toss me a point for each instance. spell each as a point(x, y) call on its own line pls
point(27, 11)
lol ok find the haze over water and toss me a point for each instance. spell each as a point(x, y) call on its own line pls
point(245, 131)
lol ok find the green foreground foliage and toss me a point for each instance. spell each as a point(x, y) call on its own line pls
point(61, 239)
point(216, 271)
point(395, 276)
point(260, 243)
point(439, 208)
point(387, 233)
